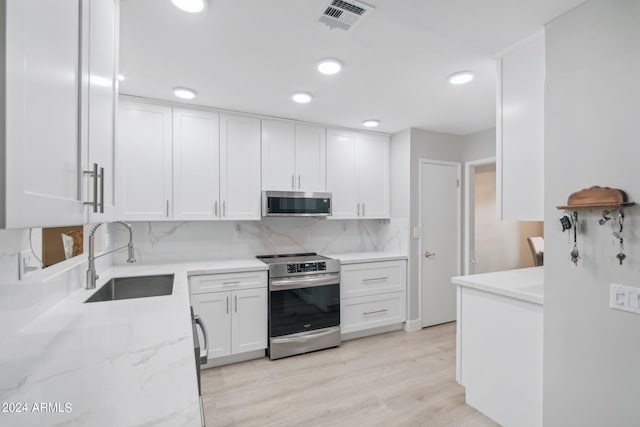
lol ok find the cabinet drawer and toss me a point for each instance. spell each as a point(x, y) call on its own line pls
point(373, 278)
point(372, 311)
point(227, 282)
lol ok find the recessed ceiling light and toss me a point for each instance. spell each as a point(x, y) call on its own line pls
point(302, 97)
point(370, 123)
point(329, 66)
point(461, 77)
point(184, 93)
point(191, 6)
point(121, 77)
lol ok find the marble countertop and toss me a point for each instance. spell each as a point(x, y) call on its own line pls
point(114, 363)
point(526, 284)
point(358, 257)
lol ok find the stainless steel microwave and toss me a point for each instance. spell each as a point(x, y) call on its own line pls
point(295, 203)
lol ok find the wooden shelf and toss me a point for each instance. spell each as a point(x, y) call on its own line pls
point(597, 198)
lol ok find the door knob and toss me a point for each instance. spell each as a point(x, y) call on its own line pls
point(428, 254)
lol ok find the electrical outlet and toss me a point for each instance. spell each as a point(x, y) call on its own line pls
point(625, 298)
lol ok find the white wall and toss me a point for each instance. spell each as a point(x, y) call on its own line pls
point(591, 353)
point(479, 145)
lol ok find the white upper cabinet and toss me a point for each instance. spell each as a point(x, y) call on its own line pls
point(311, 158)
point(520, 132)
point(196, 159)
point(42, 145)
point(144, 158)
point(239, 167)
point(59, 96)
point(293, 157)
point(358, 174)
point(102, 106)
point(342, 177)
point(372, 168)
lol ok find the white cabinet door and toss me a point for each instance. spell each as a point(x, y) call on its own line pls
point(215, 311)
point(520, 133)
point(249, 320)
point(42, 144)
point(372, 165)
point(341, 174)
point(311, 159)
point(278, 156)
point(239, 167)
point(144, 153)
point(103, 92)
point(196, 159)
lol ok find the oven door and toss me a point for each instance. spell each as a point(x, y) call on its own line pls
point(303, 304)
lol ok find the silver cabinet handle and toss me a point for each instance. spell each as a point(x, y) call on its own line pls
point(358, 213)
point(94, 174)
point(167, 208)
point(363, 210)
point(375, 278)
point(227, 304)
point(101, 176)
point(293, 181)
point(375, 312)
point(298, 181)
point(230, 283)
point(224, 208)
point(204, 354)
point(236, 297)
point(215, 208)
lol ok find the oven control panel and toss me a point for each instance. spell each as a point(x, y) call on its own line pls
point(304, 267)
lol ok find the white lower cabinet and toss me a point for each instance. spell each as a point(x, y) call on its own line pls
point(372, 295)
point(233, 308)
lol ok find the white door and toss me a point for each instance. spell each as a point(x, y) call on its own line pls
point(43, 185)
point(215, 311)
point(103, 95)
point(249, 320)
point(278, 156)
point(144, 152)
point(196, 160)
point(341, 174)
point(239, 167)
point(372, 165)
point(311, 159)
point(439, 241)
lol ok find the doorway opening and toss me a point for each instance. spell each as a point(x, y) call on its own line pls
point(492, 244)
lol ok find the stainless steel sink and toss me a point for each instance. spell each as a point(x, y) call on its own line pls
point(134, 287)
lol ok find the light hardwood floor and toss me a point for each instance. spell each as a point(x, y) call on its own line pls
point(393, 379)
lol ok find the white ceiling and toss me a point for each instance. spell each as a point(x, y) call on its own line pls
point(251, 55)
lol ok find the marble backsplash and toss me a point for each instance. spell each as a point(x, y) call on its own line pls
point(160, 242)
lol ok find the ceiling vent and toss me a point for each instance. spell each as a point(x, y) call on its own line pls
point(344, 14)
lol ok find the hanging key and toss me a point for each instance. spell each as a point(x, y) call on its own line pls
point(621, 256)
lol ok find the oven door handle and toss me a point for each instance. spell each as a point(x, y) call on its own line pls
point(307, 282)
point(204, 353)
point(305, 336)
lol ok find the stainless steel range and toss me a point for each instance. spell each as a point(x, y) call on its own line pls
point(304, 303)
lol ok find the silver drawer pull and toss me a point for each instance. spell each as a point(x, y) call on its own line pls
point(375, 312)
point(375, 278)
point(230, 283)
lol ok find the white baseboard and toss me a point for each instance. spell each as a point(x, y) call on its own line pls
point(412, 325)
point(242, 357)
point(373, 331)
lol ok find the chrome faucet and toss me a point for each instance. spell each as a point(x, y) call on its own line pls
point(92, 276)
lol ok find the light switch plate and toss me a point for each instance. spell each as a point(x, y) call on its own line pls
point(625, 298)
